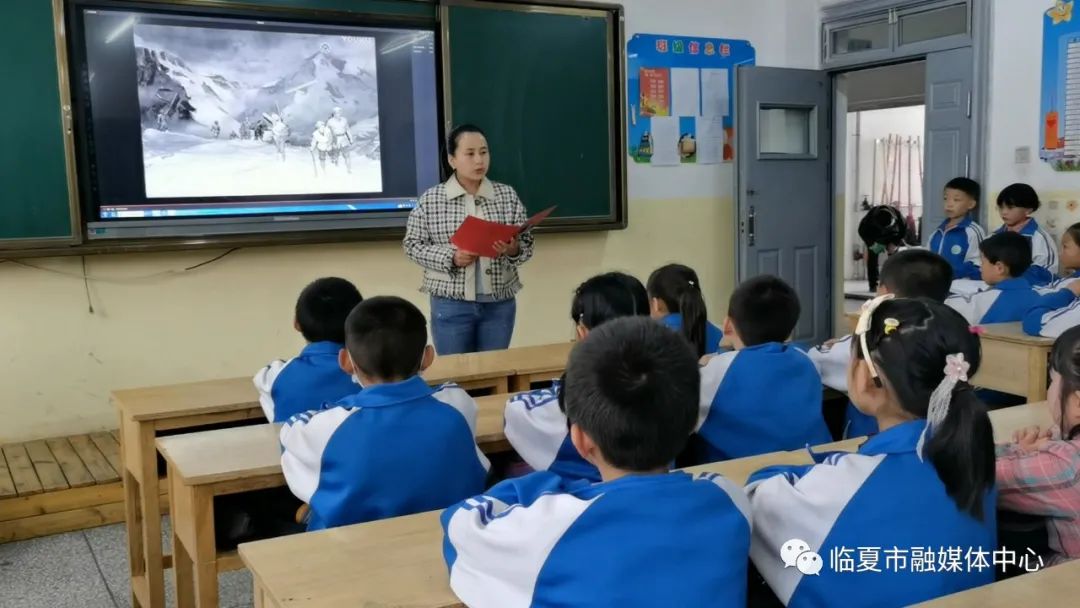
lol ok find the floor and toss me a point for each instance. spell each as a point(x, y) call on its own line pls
point(88, 569)
point(859, 289)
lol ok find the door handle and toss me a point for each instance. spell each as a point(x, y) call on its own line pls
point(750, 228)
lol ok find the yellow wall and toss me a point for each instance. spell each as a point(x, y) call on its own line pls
point(228, 319)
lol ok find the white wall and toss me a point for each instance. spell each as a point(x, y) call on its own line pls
point(153, 325)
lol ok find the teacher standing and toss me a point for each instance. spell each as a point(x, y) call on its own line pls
point(473, 306)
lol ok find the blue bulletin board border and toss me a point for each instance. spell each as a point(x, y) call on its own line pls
point(656, 51)
point(1060, 103)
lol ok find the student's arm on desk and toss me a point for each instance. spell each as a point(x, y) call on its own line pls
point(1033, 481)
point(264, 383)
point(1036, 321)
point(496, 543)
point(304, 438)
point(536, 427)
point(832, 360)
point(972, 266)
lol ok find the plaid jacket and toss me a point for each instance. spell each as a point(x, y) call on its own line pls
point(1045, 482)
point(435, 219)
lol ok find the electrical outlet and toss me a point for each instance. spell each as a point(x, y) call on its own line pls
point(1023, 155)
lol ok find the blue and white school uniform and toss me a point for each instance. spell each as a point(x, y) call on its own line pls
point(882, 497)
point(303, 383)
point(832, 363)
point(1005, 302)
point(1058, 284)
point(1052, 314)
point(537, 429)
point(713, 334)
point(760, 399)
point(960, 246)
point(389, 450)
point(642, 540)
point(1044, 257)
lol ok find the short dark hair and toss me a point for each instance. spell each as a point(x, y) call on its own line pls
point(1019, 195)
point(608, 296)
point(322, 307)
point(1010, 248)
point(966, 185)
point(764, 309)
point(454, 137)
point(633, 388)
point(917, 273)
point(386, 337)
point(883, 224)
point(1073, 232)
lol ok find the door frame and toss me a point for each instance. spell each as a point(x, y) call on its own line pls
point(981, 27)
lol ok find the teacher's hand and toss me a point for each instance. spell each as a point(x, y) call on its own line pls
point(463, 258)
point(511, 247)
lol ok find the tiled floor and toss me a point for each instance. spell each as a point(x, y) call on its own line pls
point(88, 569)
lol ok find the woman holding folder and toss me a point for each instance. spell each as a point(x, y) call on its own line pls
point(472, 296)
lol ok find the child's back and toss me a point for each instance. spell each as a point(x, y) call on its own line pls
point(314, 377)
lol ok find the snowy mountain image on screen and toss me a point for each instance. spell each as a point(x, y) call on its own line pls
point(228, 113)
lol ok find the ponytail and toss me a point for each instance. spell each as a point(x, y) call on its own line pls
point(961, 450)
point(1065, 360)
point(678, 287)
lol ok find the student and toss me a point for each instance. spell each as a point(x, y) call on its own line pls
point(535, 422)
point(765, 396)
point(1005, 258)
point(313, 377)
point(957, 238)
point(925, 481)
point(1017, 203)
point(395, 448)
point(642, 536)
point(884, 232)
point(1039, 472)
point(675, 300)
point(1057, 308)
point(913, 273)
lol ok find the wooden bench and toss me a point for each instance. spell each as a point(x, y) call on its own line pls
point(242, 459)
point(59, 485)
point(1051, 587)
point(145, 413)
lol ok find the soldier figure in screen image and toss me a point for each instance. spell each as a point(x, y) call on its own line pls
point(215, 130)
point(279, 132)
point(339, 126)
point(162, 121)
point(322, 144)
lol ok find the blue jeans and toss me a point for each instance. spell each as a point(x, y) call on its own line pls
point(459, 326)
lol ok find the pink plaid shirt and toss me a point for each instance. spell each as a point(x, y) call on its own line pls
point(1045, 482)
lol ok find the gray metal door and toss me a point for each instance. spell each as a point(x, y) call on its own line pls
point(784, 157)
point(948, 129)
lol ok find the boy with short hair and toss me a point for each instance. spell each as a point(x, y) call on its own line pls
point(1006, 256)
point(313, 377)
point(398, 446)
point(957, 238)
point(631, 401)
point(765, 396)
point(1017, 203)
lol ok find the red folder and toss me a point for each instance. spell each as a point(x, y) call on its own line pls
point(479, 236)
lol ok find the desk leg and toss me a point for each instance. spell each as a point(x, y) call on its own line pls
point(257, 595)
point(1037, 375)
point(194, 548)
point(205, 549)
point(129, 456)
point(518, 384)
point(142, 511)
point(183, 565)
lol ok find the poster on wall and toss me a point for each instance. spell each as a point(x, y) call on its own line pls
point(1059, 119)
point(681, 109)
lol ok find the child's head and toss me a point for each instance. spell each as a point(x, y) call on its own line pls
point(1064, 392)
point(631, 395)
point(385, 341)
point(467, 152)
point(1017, 203)
point(961, 197)
point(1070, 248)
point(322, 308)
point(898, 373)
point(1005, 255)
point(883, 227)
point(605, 297)
point(916, 273)
point(762, 309)
point(676, 289)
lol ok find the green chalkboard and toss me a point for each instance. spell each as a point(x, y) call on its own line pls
point(545, 85)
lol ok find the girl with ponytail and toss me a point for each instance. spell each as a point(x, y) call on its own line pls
point(675, 300)
point(925, 480)
point(1039, 472)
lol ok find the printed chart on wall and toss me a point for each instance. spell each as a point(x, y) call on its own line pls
point(1059, 121)
point(681, 108)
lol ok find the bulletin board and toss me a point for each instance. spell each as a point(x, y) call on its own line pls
point(1059, 118)
point(680, 104)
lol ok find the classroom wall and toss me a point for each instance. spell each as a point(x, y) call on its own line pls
point(153, 323)
point(1016, 72)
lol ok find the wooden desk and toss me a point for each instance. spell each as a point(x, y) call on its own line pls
point(537, 364)
point(1011, 419)
point(1052, 587)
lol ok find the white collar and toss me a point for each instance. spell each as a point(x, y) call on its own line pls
point(454, 189)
